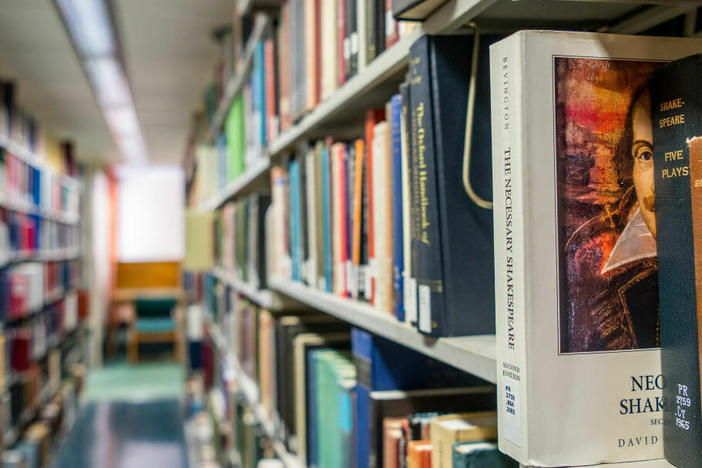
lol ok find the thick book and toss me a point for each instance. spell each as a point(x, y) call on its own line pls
point(415, 9)
point(409, 285)
point(382, 217)
point(329, 48)
point(671, 161)
point(311, 53)
point(451, 428)
point(575, 260)
point(452, 235)
point(373, 117)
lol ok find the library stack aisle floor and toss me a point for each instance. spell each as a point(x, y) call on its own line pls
point(131, 419)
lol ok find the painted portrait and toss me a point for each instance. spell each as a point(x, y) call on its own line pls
point(605, 206)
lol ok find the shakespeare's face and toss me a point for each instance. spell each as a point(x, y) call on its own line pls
point(642, 152)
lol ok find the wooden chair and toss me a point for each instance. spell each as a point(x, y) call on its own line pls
point(156, 320)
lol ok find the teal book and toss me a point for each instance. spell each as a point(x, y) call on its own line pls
point(480, 455)
point(326, 219)
point(673, 162)
point(295, 221)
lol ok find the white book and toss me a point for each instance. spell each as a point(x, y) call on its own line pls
point(382, 218)
point(313, 216)
point(578, 368)
point(329, 47)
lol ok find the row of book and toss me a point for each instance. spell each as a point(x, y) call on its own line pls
point(26, 234)
point(20, 127)
point(29, 342)
point(333, 391)
point(27, 288)
point(38, 412)
point(239, 239)
point(385, 218)
point(23, 182)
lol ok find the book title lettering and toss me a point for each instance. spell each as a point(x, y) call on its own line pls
point(423, 177)
point(675, 169)
point(509, 248)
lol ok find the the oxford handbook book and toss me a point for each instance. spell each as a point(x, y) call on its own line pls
point(673, 165)
point(576, 274)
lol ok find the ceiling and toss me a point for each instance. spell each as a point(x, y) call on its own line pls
point(169, 57)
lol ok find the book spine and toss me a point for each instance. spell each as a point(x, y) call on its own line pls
point(270, 97)
point(352, 32)
point(510, 282)
point(362, 36)
point(357, 215)
point(327, 198)
point(283, 68)
point(343, 217)
point(397, 209)
point(361, 345)
point(311, 52)
point(350, 195)
point(319, 222)
point(341, 42)
point(675, 110)
point(312, 218)
point(426, 239)
point(296, 251)
point(369, 287)
point(371, 31)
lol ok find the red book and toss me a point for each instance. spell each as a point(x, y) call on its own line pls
point(392, 29)
point(20, 350)
point(269, 76)
point(372, 117)
point(341, 31)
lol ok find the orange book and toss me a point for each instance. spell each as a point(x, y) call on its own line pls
point(419, 454)
point(313, 40)
point(372, 117)
point(392, 433)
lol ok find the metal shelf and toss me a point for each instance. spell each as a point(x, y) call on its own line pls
point(262, 297)
point(252, 174)
point(472, 354)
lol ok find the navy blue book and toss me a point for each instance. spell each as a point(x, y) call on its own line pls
point(452, 236)
point(382, 365)
point(398, 255)
point(312, 455)
point(674, 161)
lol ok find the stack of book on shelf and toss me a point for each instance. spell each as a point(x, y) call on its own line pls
point(50, 416)
point(329, 394)
point(239, 239)
point(386, 218)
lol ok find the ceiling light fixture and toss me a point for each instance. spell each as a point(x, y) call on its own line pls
point(92, 33)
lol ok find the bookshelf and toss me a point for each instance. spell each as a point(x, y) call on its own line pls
point(241, 72)
point(251, 393)
point(473, 354)
point(341, 115)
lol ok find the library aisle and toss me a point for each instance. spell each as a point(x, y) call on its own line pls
point(350, 233)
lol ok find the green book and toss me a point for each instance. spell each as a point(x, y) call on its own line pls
point(236, 139)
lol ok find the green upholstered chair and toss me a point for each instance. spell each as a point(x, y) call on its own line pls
point(155, 322)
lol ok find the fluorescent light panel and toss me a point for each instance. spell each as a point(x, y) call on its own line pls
point(88, 24)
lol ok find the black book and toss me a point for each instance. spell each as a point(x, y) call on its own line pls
point(351, 46)
point(452, 237)
point(257, 212)
point(371, 31)
point(414, 9)
point(676, 116)
point(379, 26)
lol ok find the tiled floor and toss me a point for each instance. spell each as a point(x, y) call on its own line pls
point(131, 419)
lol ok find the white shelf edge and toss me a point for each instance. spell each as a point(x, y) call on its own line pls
point(241, 73)
point(40, 256)
point(250, 175)
point(472, 354)
point(446, 19)
point(262, 297)
point(46, 213)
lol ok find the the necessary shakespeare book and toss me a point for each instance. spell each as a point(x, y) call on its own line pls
point(576, 272)
point(672, 169)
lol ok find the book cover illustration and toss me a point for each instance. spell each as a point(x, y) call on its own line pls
point(605, 205)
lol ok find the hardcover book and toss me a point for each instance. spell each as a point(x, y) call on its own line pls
point(452, 239)
point(672, 163)
point(575, 258)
